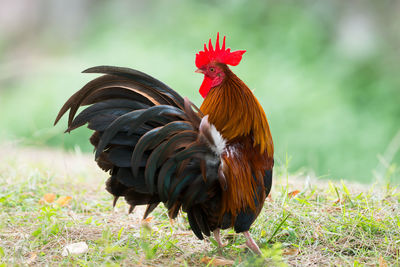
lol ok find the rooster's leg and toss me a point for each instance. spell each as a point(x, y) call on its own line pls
point(251, 244)
point(218, 238)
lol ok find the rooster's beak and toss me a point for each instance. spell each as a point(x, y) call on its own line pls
point(199, 71)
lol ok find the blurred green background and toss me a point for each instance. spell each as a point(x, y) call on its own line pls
point(326, 72)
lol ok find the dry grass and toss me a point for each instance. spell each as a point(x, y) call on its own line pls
point(321, 224)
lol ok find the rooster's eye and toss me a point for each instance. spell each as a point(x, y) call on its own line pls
point(212, 69)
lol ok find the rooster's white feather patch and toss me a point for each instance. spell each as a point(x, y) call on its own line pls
point(219, 142)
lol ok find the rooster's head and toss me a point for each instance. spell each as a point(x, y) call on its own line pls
point(212, 63)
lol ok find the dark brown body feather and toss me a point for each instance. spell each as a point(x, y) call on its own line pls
point(158, 147)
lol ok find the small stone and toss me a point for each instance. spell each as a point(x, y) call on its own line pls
point(75, 249)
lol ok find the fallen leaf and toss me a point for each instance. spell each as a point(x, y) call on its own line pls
point(290, 251)
point(63, 201)
point(317, 232)
point(216, 261)
point(332, 209)
point(293, 193)
point(75, 249)
point(49, 198)
point(185, 233)
point(382, 262)
point(142, 258)
point(263, 233)
point(31, 259)
point(148, 219)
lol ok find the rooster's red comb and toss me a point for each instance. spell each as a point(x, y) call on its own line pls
point(220, 55)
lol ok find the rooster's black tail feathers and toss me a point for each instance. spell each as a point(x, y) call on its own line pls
point(155, 145)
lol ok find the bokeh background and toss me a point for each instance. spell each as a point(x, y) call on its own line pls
point(326, 72)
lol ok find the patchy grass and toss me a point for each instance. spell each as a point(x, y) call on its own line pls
point(304, 222)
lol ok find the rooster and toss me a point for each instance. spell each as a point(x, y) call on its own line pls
point(214, 163)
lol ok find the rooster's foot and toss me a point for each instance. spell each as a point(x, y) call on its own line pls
point(251, 244)
point(218, 238)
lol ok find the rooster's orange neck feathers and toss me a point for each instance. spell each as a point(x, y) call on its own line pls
point(239, 117)
point(236, 113)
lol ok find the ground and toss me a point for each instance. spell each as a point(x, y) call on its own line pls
point(50, 198)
